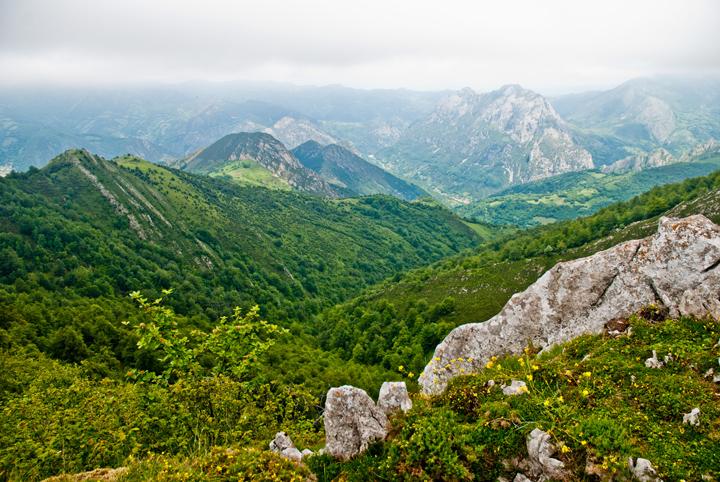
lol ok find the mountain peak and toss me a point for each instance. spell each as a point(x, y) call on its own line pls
point(345, 169)
point(257, 158)
point(513, 89)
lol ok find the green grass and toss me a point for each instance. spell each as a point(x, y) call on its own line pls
point(593, 395)
point(249, 172)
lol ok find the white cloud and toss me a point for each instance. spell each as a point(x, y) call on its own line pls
point(548, 45)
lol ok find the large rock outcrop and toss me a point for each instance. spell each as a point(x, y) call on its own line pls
point(677, 268)
point(352, 422)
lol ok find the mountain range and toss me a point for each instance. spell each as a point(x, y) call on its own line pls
point(459, 147)
point(257, 158)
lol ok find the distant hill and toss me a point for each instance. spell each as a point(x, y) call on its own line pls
point(259, 159)
point(473, 145)
point(644, 114)
point(577, 194)
point(341, 167)
point(128, 224)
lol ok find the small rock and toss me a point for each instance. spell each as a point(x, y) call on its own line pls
point(516, 387)
point(352, 422)
point(519, 477)
point(490, 383)
point(616, 326)
point(540, 452)
point(307, 453)
point(281, 442)
point(393, 397)
point(103, 474)
point(653, 361)
point(692, 418)
point(291, 453)
point(643, 470)
point(668, 358)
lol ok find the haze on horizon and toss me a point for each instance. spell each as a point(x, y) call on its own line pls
point(551, 46)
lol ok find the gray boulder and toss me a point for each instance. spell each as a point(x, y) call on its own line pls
point(516, 387)
point(677, 269)
point(394, 397)
point(692, 418)
point(643, 470)
point(352, 422)
point(540, 455)
point(281, 442)
point(291, 453)
point(653, 361)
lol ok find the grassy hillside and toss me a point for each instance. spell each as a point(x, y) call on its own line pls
point(185, 389)
point(577, 194)
point(249, 172)
point(400, 321)
point(79, 235)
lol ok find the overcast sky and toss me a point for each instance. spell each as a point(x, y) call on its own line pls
point(549, 45)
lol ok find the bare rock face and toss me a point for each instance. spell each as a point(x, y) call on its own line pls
point(677, 268)
point(352, 422)
point(394, 397)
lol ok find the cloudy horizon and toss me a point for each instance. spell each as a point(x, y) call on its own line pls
point(556, 46)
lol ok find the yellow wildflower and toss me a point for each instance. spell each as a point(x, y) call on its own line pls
point(587, 374)
point(585, 393)
point(546, 403)
point(529, 377)
point(561, 399)
point(535, 368)
point(565, 449)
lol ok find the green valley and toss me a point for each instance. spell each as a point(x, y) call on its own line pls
point(577, 194)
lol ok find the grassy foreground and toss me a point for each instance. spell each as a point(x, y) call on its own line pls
point(594, 396)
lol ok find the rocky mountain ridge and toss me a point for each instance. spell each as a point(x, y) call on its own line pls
point(474, 144)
